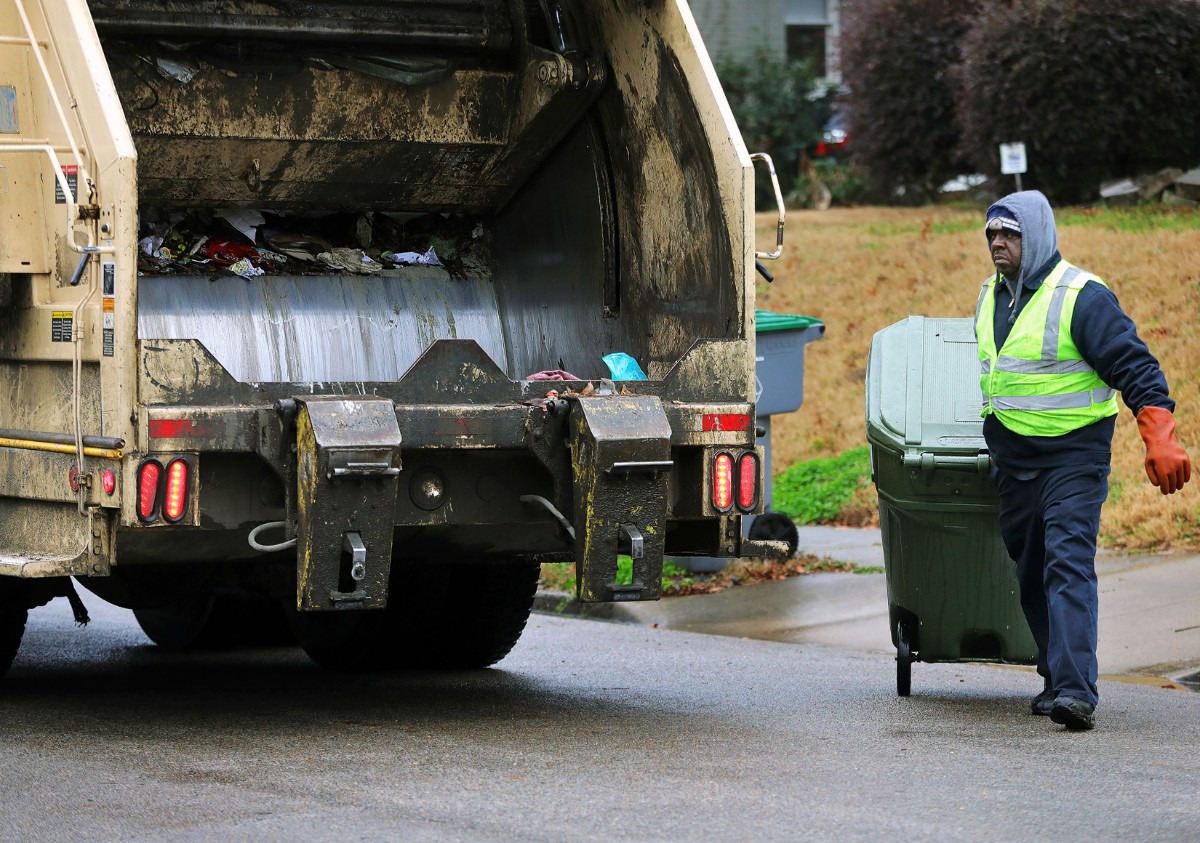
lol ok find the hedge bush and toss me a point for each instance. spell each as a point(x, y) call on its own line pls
point(898, 59)
point(1096, 89)
point(781, 109)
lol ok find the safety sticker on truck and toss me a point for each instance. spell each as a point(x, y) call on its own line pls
point(71, 171)
point(60, 326)
point(108, 276)
point(9, 124)
point(110, 322)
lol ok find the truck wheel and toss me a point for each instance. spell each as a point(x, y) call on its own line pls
point(439, 617)
point(13, 614)
point(208, 621)
point(349, 641)
point(184, 624)
point(775, 526)
point(470, 615)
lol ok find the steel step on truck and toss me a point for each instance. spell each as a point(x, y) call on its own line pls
point(345, 316)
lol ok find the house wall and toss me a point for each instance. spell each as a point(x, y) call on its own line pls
point(738, 29)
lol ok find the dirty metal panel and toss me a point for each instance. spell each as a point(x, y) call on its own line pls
point(321, 328)
point(449, 25)
point(621, 460)
point(348, 452)
point(42, 538)
point(305, 138)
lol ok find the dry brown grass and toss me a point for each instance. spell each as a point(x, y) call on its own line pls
point(861, 269)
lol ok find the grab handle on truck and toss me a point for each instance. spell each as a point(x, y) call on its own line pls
point(770, 256)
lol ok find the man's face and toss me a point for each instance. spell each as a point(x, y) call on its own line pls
point(1006, 252)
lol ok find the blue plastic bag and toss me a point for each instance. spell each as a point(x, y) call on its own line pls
point(623, 367)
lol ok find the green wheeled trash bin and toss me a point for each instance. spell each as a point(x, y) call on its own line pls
point(952, 588)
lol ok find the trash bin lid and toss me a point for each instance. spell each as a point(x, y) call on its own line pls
point(922, 388)
point(765, 321)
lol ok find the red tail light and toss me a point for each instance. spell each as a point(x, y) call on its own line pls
point(175, 500)
point(747, 481)
point(149, 473)
point(109, 481)
point(722, 482)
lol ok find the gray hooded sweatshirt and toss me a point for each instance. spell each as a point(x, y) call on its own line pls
point(1106, 337)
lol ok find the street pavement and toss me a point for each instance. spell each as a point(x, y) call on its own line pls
point(1149, 608)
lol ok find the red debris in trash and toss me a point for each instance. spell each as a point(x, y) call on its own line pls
point(227, 253)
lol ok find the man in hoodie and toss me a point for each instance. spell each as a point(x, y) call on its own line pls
point(1054, 349)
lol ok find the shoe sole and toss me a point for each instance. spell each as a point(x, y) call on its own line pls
point(1074, 722)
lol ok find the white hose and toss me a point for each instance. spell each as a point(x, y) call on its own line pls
point(269, 548)
point(538, 499)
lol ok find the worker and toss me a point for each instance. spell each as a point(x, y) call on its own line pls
point(1055, 347)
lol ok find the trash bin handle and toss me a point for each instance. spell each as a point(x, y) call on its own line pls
point(770, 256)
point(928, 462)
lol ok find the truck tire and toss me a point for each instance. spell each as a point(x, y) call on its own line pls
point(470, 615)
point(205, 620)
point(439, 617)
point(13, 615)
point(775, 526)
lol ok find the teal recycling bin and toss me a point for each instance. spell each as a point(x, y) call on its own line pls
point(951, 586)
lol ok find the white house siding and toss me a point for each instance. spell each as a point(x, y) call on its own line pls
point(738, 29)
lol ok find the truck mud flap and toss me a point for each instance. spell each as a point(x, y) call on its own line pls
point(348, 462)
point(621, 458)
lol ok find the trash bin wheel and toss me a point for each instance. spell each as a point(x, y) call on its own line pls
point(775, 526)
point(904, 659)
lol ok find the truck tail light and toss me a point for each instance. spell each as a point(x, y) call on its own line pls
point(747, 481)
point(175, 500)
point(149, 473)
point(722, 482)
point(109, 481)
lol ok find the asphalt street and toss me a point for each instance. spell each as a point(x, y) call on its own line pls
point(1149, 608)
point(587, 731)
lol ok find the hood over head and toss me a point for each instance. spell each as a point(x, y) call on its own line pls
point(1030, 211)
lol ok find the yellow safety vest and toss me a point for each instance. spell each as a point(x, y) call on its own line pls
point(1038, 384)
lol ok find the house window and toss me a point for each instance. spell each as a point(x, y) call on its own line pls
point(807, 43)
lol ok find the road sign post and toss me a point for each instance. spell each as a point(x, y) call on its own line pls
point(1013, 161)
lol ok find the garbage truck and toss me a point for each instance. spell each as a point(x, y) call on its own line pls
point(309, 310)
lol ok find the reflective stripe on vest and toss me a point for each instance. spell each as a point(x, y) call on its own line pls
point(1056, 391)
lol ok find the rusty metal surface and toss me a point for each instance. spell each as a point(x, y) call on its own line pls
point(606, 434)
point(448, 25)
point(349, 460)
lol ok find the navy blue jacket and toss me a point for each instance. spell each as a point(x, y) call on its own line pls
point(1108, 341)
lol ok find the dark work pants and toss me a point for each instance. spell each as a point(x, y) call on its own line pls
point(1049, 524)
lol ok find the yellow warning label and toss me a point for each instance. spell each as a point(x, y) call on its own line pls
point(60, 326)
point(109, 305)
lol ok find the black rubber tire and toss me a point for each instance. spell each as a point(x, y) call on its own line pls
point(439, 617)
point(775, 526)
point(13, 615)
point(204, 620)
point(471, 616)
point(348, 641)
point(904, 660)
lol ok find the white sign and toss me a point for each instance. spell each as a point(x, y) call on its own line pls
point(1012, 158)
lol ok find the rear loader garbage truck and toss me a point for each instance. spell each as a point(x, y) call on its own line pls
point(305, 308)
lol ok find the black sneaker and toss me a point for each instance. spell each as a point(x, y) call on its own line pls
point(1043, 702)
point(1076, 715)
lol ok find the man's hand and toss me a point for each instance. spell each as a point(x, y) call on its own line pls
point(1167, 464)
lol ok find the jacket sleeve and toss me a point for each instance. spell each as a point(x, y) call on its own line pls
point(1109, 342)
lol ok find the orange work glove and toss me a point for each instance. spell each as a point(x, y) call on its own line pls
point(1167, 464)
